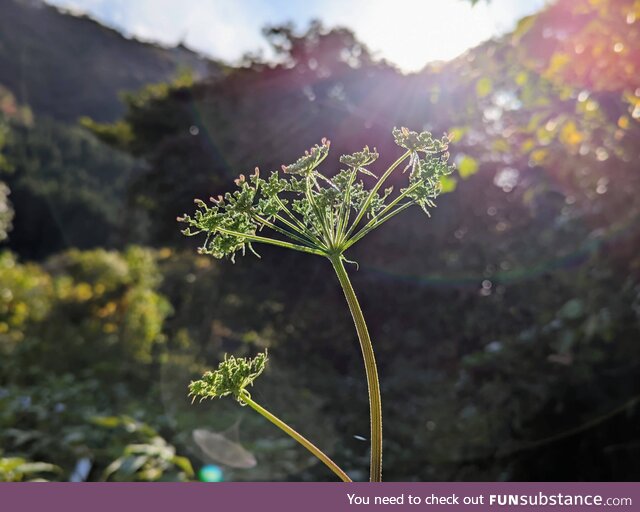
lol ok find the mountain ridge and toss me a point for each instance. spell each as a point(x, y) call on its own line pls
point(65, 66)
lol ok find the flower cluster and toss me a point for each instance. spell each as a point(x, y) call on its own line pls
point(311, 212)
point(306, 164)
point(233, 375)
point(360, 159)
point(424, 180)
point(419, 142)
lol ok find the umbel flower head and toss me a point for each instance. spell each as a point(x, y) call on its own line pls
point(419, 142)
point(306, 164)
point(232, 377)
point(360, 159)
point(306, 210)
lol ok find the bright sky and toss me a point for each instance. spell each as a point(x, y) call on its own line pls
point(409, 33)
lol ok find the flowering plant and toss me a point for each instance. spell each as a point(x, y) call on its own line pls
point(305, 210)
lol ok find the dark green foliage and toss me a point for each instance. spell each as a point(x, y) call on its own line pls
point(67, 189)
point(65, 419)
point(147, 457)
point(6, 211)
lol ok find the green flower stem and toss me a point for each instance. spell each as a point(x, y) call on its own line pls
point(345, 209)
point(300, 224)
point(318, 212)
point(379, 221)
point(374, 191)
point(384, 215)
point(305, 233)
point(375, 402)
point(283, 231)
point(246, 398)
point(400, 197)
point(271, 241)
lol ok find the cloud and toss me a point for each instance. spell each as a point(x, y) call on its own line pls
point(412, 33)
point(221, 28)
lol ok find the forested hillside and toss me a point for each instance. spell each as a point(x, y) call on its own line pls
point(65, 66)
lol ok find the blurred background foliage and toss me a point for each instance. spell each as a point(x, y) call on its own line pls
point(506, 326)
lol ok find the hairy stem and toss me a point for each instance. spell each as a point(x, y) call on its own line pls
point(246, 398)
point(373, 385)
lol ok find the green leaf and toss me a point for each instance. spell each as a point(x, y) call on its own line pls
point(457, 132)
point(484, 86)
point(448, 184)
point(112, 468)
point(523, 26)
point(521, 78)
point(184, 464)
point(131, 464)
point(38, 467)
point(107, 421)
point(467, 166)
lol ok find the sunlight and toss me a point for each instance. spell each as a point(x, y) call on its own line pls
point(412, 33)
point(409, 33)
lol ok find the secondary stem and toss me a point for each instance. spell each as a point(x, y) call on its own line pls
point(246, 398)
point(378, 222)
point(374, 191)
point(282, 231)
point(373, 385)
point(271, 241)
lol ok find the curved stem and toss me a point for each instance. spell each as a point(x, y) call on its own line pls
point(373, 385)
point(246, 398)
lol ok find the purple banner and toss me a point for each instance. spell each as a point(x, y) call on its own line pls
point(320, 497)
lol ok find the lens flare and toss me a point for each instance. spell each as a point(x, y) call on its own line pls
point(210, 473)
